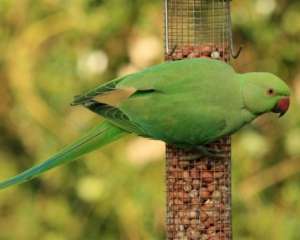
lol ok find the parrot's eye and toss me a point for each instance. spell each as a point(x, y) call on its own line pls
point(271, 92)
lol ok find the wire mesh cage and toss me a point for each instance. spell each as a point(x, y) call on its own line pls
point(197, 28)
point(198, 191)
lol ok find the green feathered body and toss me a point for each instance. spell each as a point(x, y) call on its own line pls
point(189, 102)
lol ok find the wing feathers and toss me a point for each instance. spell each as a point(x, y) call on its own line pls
point(114, 97)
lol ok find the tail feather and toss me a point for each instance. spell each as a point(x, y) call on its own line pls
point(99, 136)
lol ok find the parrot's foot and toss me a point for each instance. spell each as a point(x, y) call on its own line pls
point(204, 152)
point(212, 152)
point(191, 157)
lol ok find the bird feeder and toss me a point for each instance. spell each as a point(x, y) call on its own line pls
point(198, 190)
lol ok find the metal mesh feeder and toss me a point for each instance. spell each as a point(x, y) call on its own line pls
point(198, 191)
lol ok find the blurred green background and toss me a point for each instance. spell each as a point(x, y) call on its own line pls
point(51, 50)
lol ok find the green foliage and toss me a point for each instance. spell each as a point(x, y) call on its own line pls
point(53, 49)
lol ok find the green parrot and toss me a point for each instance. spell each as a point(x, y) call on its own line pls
point(188, 103)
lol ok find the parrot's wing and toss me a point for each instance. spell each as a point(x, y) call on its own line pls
point(105, 99)
point(101, 90)
point(159, 78)
point(144, 95)
point(115, 91)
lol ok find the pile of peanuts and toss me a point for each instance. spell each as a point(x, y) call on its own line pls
point(206, 51)
point(198, 196)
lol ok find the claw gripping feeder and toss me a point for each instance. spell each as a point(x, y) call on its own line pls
point(198, 190)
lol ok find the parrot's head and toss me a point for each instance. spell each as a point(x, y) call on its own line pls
point(264, 92)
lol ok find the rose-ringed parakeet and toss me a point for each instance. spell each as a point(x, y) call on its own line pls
point(187, 103)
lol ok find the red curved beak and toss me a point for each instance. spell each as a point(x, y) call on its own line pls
point(282, 106)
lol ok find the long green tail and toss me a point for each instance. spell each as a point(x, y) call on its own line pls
point(99, 136)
